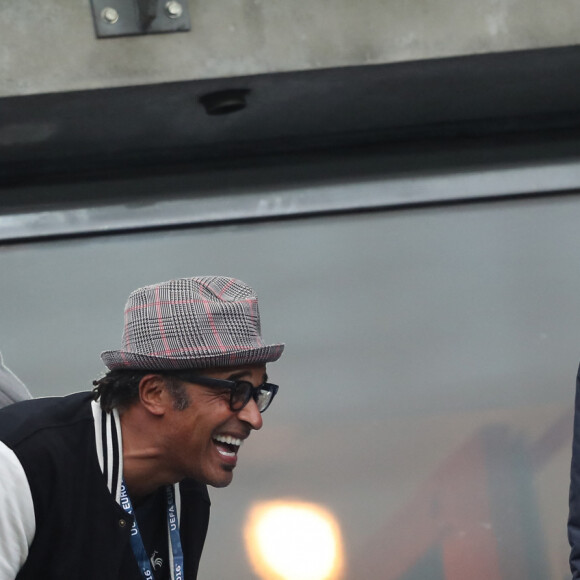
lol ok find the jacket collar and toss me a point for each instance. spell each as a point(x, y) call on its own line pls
point(109, 447)
point(109, 440)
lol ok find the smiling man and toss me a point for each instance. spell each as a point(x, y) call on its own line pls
point(112, 483)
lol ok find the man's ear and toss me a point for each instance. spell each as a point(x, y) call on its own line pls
point(153, 394)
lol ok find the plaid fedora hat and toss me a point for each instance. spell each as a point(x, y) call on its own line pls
point(201, 322)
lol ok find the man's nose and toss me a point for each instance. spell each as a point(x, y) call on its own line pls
point(251, 415)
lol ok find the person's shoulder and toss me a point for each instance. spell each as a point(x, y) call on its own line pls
point(24, 419)
point(12, 389)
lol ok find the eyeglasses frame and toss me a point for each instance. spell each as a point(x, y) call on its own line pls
point(232, 386)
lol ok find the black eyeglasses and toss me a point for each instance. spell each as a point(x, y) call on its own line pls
point(240, 391)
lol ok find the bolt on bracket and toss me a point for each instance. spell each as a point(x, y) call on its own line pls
point(133, 17)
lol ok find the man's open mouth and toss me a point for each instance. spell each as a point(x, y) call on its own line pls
point(227, 445)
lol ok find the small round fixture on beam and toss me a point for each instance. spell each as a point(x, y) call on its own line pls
point(110, 15)
point(173, 9)
point(224, 102)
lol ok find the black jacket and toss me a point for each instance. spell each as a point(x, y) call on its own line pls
point(574, 514)
point(60, 517)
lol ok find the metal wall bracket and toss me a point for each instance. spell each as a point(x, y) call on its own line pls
point(132, 17)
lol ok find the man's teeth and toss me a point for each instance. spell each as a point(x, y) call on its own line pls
point(229, 440)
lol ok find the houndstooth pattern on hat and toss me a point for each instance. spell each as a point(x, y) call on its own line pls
point(201, 322)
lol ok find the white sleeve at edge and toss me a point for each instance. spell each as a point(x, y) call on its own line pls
point(17, 522)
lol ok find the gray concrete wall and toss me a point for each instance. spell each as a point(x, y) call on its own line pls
point(51, 46)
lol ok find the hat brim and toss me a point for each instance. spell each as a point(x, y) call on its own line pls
point(119, 359)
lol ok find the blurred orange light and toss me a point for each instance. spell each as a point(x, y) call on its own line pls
point(293, 540)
